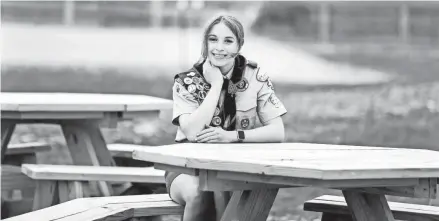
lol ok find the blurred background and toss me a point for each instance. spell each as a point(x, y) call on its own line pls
point(358, 73)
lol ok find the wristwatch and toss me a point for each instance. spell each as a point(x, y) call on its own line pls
point(241, 136)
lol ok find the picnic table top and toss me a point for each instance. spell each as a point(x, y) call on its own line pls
point(304, 160)
point(80, 102)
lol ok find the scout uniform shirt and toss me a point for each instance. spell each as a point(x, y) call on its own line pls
point(254, 97)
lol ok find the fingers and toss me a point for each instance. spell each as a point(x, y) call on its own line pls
point(208, 137)
point(207, 130)
point(205, 134)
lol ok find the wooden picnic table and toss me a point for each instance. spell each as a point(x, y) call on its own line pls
point(255, 172)
point(80, 116)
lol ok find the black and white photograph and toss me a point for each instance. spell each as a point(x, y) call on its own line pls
point(208, 110)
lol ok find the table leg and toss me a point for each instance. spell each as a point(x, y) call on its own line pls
point(87, 147)
point(250, 205)
point(368, 207)
point(7, 130)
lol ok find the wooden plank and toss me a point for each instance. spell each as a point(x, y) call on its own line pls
point(82, 150)
point(93, 173)
point(56, 211)
point(81, 102)
point(333, 162)
point(401, 211)
point(368, 207)
point(143, 209)
point(124, 150)
point(210, 182)
point(230, 212)
point(297, 181)
point(45, 194)
point(7, 131)
point(105, 213)
point(70, 190)
point(13, 179)
point(80, 205)
point(255, 205)
point(189, 171)
point(24, 148)
point(53, 115)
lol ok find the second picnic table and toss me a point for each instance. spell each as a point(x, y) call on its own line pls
point(80, 116)
point(255, 172)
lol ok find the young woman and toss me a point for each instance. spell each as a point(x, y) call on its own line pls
point(224, 98)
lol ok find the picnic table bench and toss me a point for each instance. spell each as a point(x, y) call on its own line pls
point(335, 208)
point(105, 208)
point(61, 183)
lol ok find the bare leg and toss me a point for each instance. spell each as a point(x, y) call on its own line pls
point(199, 205)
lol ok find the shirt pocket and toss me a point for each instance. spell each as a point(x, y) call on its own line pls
point(246, 112)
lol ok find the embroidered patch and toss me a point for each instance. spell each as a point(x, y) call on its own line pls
point(200, 87)
point(262, 76)
point(202, 94)
point(188, 81)
point(245, 123)
point(216, 121)
point(196, 80)
point(242, 85)
point(191, 88)
point(274, 100)
point(178, 80)
point(270, 84)
point(232, 88)
point(217, 111)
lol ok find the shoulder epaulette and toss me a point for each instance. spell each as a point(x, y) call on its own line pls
point(252, 64)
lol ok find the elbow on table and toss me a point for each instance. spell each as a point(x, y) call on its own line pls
point(191, 134)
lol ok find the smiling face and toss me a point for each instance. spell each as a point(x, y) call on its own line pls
point(222, 46)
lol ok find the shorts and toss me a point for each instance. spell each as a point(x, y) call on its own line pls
point(169, 178)
point(169, 175)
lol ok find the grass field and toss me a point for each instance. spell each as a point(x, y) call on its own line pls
point(403, 113)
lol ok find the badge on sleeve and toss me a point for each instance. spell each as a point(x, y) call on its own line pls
point(274, 100)
point(191, 74)
point(262, 76)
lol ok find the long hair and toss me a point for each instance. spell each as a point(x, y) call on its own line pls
point(232, 23)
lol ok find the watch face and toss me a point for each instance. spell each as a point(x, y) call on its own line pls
point(241, 135)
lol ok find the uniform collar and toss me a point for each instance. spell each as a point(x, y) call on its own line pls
point(235, 75)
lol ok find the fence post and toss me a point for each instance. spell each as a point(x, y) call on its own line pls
point(404, 23)
point(156, 13)
point(69, 12)
point(324, 22)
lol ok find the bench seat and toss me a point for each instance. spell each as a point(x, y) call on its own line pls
point(93, 173)
point(335, 208)
point(106, 208)
point(124, 150)
point(27, 148)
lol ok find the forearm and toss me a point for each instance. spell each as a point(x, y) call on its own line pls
point(273, 132)
point(195, 122)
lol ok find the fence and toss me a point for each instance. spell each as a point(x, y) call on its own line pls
point(328, 22)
